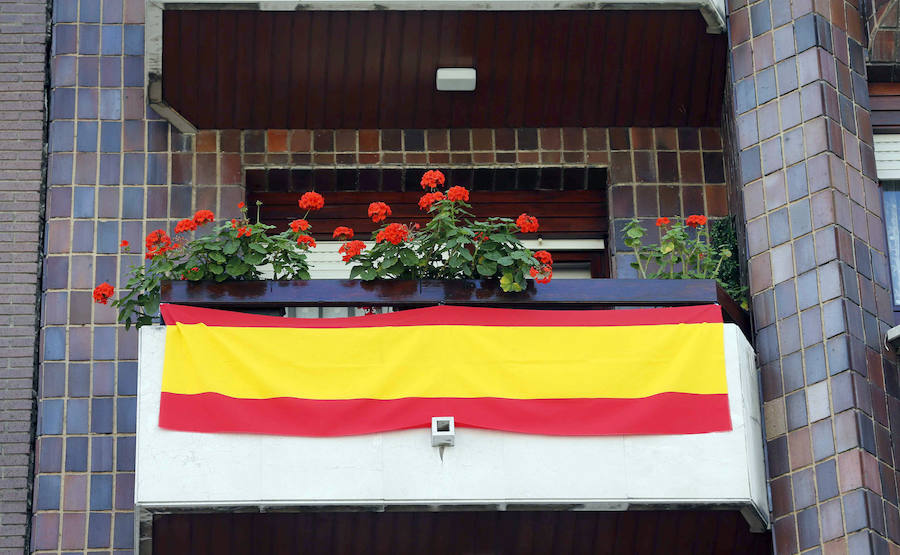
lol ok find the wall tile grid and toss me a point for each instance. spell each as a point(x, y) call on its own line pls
point(819, 275)
point(883, 55)
point(22, 72)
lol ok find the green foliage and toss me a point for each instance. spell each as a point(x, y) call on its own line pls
point(453, 245)
point(690, 249)
point(233, 250)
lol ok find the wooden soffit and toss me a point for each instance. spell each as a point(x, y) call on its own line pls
point(242, 69)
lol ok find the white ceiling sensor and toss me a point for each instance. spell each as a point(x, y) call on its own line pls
point(455, 79)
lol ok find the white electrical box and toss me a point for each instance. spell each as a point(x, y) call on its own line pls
point(455, 79)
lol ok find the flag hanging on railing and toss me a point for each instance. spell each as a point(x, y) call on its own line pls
point(590, 372)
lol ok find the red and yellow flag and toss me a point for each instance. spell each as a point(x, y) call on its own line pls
point(603, 372)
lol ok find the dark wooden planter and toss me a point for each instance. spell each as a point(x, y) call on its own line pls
point(560, 294)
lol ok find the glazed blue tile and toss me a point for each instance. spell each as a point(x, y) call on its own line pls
point(101, 492)
point(53, 379)
point(109, 169)
point(83, 236)
point(51, 454)
point(65, 11)
point(134, 40)
point(87, 71)
point(65, 40)
point(83, 203)
point(180, 204)
point(76, 454)
point(79, 380)
point(102, 454)
point(133, 169)
point(112, 40)
point(64, 71)
point(77, 416)
point(112, 11)
point(105, 337)
point(62, 136)
point(102, 416)
point(50, 416)
point(104, 378)
point(127, 378)
point(62, 103)
point(47, 493)
point(157, 168)
point(60, 169)
point(157, 136)
point(132, 202)
point(98, 530)
point(88, 39)
point(125, 453)
point(107, 238)
point(54, 343)
point(110, 104)
point(90, 11)
point(133, 71)
point(110, 136)
point(110, 72)
point(123, 536)
point(126, 415)
point(88, 103)
point(87, 136)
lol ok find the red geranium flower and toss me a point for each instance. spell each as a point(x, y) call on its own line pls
point(432, 179)
point(103, 292)
point(351, 249)
point(186, 224)
point(311, 201)
point(662, 221)
point(695, 221)
point(342, 232)
point(544, 257)
point(306, 240)
point(379, 211)
point(430, 198)
point(124, 244)
point(394, 233)
point(195, 269)
point(458, 193)
point(544, 275)
point(244, 230)
point(203, 216)
point(241, 204)
point(299, 225)
point(526, 223)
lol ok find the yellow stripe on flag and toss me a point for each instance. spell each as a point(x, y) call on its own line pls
point(515, 362)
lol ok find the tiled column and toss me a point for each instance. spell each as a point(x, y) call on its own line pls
point(818, 272)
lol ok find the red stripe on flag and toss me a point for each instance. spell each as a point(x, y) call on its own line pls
point(665, 413)
point(453, 316)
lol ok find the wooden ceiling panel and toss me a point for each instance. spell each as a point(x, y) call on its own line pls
point(376, 69)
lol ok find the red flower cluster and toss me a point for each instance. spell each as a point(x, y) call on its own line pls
point(241, 205)
point(695, 221)
point(342, 232)
point(394, 233)
point(299, 225)
point(379, 211)
point(351, 249)
point(244, 230)
point(204, 216)
point(458, 193)
point(185, 225)
point(432, 179)
point(306, 240)
point(158, 242)
point(662, 221)
point(430, 198)
point(124, 244)
point(526, 223)
point(103, 292)
point(545, 273)
point(311, 201)
point(479, 237)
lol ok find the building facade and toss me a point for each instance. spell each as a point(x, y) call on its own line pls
point(125, 116)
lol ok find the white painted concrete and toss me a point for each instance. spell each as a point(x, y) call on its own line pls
point(182, 469)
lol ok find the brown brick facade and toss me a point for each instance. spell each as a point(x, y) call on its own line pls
point(22, 72)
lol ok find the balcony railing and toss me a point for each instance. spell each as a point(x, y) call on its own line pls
point(486, 469)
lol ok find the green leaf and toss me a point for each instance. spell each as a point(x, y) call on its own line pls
point(505, 261)
point(259, 248)
point(487, 268)
point(634, 232)
point(231, 247)
point(355, 271)
point(368, 274)
point(408, 257)
point(217, 256)
point(216, 268)
point(254, 258)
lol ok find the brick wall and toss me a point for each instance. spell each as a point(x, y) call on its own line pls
point(22, 76)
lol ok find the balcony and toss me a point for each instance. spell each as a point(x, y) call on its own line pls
point(485, 470)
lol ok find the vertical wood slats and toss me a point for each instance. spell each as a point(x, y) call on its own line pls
point(544, 532)
point(376, 69)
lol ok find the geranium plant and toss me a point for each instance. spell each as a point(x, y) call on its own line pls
point(685, 251)
point(233, 250)
point(451, 245)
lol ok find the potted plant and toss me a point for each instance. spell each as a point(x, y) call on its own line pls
point(452, 245)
